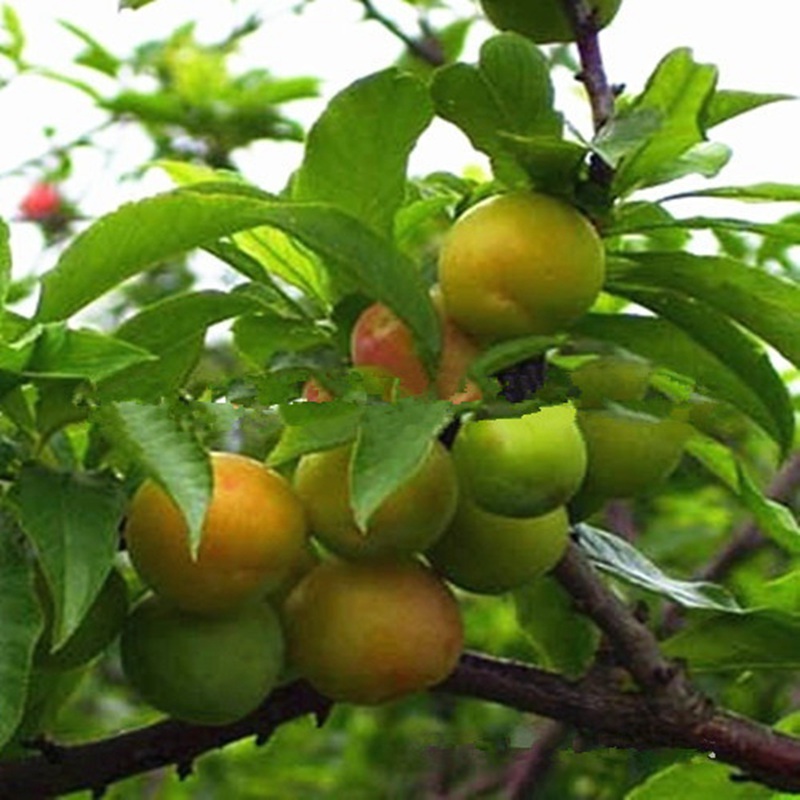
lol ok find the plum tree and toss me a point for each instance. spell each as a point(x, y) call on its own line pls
point(523, 466)
point(371, 632)
point(381, 339)
point(544, 21)
point(209, 670)
point(407, 521)
point(489, 554)
point(253, 533)
point(518, 264)
point(628, 453)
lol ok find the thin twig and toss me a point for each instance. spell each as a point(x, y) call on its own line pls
point(427, 48)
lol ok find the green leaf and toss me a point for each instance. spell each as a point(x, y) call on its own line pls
point(506, 98)
point(393, 441)
point(88, 354)
point(134, 3)
point(15, 43)
point(142, 234)
point(357, 151)
point(697, 779)
point(5, 263)
point(784, 231)
point(767, 305)
point(756, 193)
point(754, 639)
point(95, 56)
point(311, 427)
point(667, 345)
point(614, 555)
point(726, 104)
point(172, 331)
point(151, 438)
point(72, 520)
point(23, 623)
point(774, 520)
point(544, 611)
point(676, 95)
point(262, 336)
point(761, 392)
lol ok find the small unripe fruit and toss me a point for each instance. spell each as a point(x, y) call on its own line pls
point(409, 520)
point(490, 554)
point(520, 264)
point(628, 453)
point(207, 670)
point(614, 379)
point(254, 532)
point(371, 632)
point(524, 466)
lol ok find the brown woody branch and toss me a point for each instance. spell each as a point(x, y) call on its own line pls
point(427, 48)
point(610, 715)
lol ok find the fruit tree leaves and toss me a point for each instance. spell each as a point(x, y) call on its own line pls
point(63, 353)
point(754, 639)
point(661, 125)
point(72, 521)
point(774, 519)
point(393, 440)
point(357, 151)
point(727, 103)
point(151, 438)
point(5, 262)
point(310, 427)
point(717, 364)
point(505, 106)
point(757, 192)
point(142, 234)
point(767, 305)
point(614, 555)
point(697, 779)
point(544, 611)
point(172, 330)
point(22, 625)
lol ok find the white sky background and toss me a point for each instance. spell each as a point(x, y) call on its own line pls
point(755, 49)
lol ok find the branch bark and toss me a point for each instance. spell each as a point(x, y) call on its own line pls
point(610, 715)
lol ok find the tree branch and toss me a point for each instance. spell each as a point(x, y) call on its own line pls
point(427, 48)
point(614, 717)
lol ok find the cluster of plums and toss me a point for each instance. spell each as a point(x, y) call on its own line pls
point(286, 583)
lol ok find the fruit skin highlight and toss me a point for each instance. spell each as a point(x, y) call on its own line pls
point(371, 632)
point(524, 466)
point(543, 21)
point(409, 520)
point(207, 670)
point(489, 554)
point(520, 264)
point(254, 533)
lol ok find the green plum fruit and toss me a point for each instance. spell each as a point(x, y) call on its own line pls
point(523, 466)
point(209, 670)
point(489, 554)
point(615, 379)
point(628, 453)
